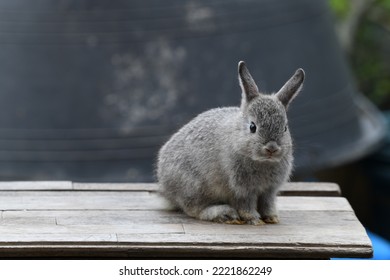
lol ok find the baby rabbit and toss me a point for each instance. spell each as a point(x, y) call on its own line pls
point(227, 164)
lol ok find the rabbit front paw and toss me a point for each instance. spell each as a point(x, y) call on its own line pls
point(271, 219)
point(252, 217)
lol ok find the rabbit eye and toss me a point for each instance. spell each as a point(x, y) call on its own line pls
point(285, 128)
point(252, 127)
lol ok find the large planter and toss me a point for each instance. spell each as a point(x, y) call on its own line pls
point(89, 90)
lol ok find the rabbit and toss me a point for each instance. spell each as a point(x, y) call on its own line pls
point(227, 164)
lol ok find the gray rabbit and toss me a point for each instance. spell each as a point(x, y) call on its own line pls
point(227, 164)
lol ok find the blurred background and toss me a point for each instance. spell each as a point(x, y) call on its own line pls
point(363, 29)
point(91, 89)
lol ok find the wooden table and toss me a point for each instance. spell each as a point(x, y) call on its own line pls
point(82, 220)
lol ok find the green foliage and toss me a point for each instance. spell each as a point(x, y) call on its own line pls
point(384, 3)
point(370, 57)
point(340, 7)
point(370, 66)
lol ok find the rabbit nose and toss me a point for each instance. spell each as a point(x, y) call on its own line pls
point(271, 148)
point(270, 151)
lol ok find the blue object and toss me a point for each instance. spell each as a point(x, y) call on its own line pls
point(380, 245)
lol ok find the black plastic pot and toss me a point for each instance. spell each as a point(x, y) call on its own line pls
point(89, 90)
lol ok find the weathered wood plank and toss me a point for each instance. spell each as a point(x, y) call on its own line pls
point(160, 251)
point(42, 239)
point(107, 222)
point(300, 226)
point(70, 200)
point(269, 251)
point(301, 234)
point(96, 217)
point(292, 189)
point(263, 238)
point(151, 187)
point(32, 220)
point(131, 228)
point(146, 218)
point(310, 189)
point(35, 185)
point(79, 200)
point(298, 203)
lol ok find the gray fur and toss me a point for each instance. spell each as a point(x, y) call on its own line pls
point(214, 168)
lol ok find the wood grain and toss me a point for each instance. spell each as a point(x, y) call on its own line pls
point(295, 189)
point(69, 200)
point(35, 185)
point(310, 189)
point(289, 189)
point(95, 220)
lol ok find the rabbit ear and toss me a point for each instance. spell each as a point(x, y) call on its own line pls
point(248, 85)
point(291, 88)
